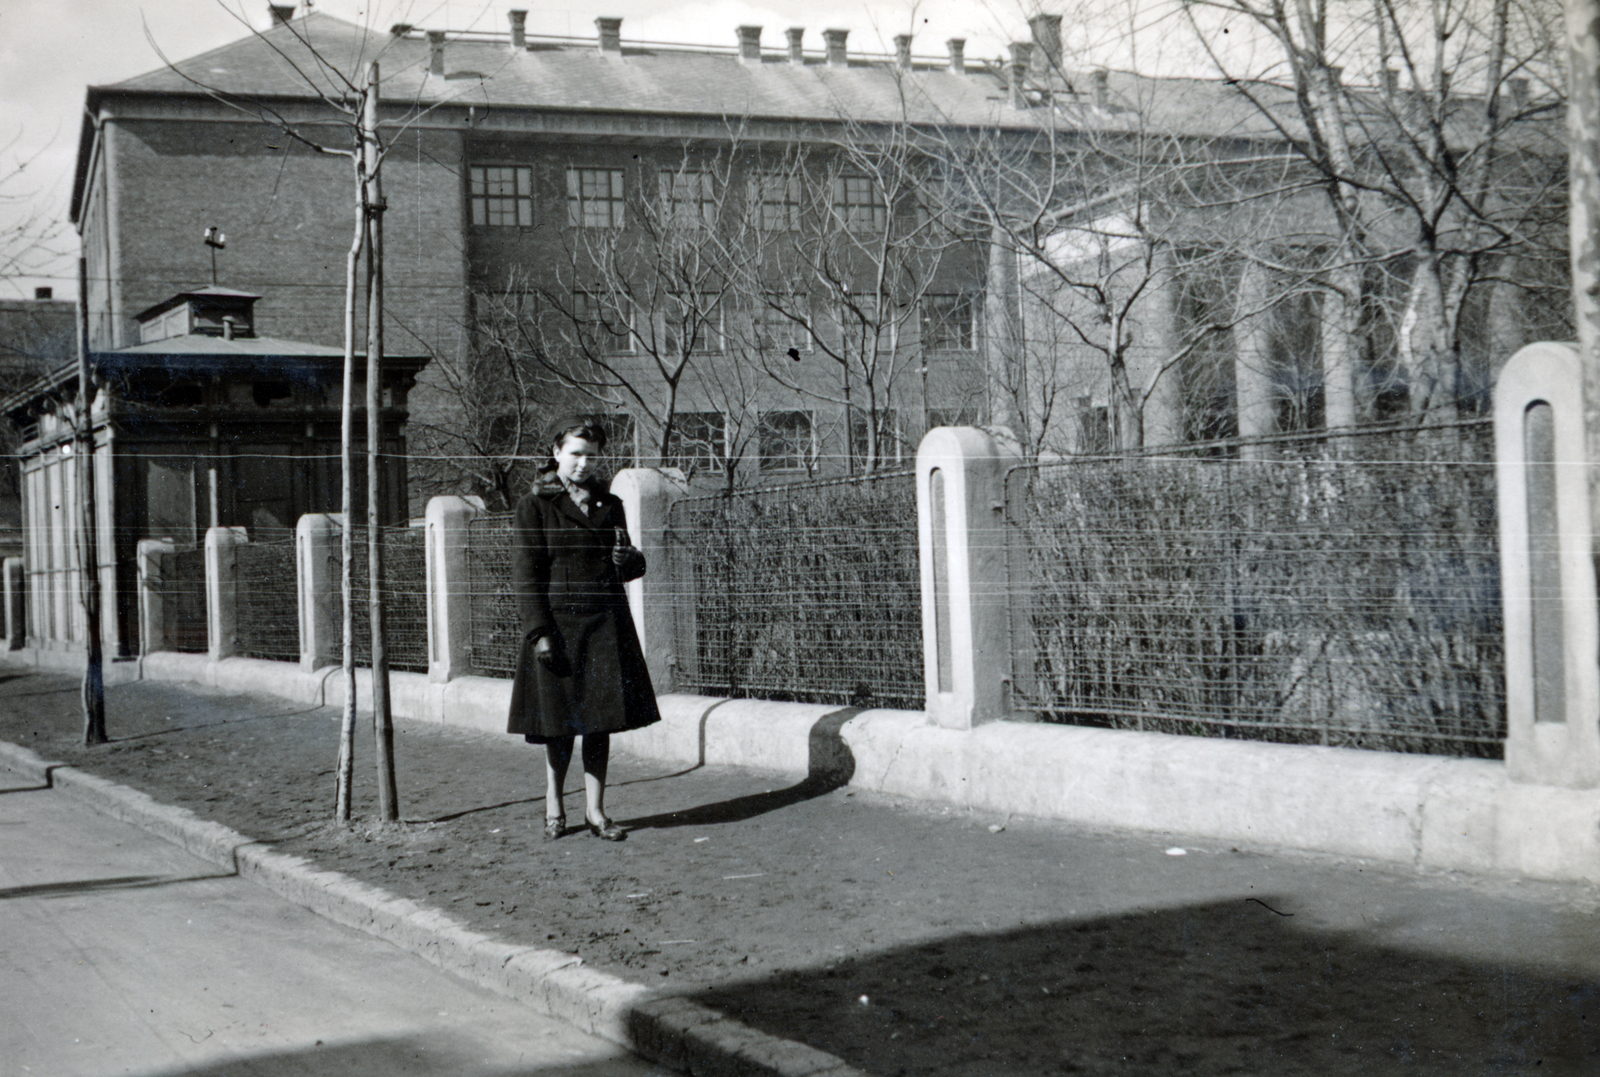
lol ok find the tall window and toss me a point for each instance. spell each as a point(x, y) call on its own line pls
point(594, 198)
point(688, 199)
point(949, 323)
point(786, 441)
point(696, 442)
point(782, 322)
point(888, 428)
point(693, 319)
point(602, 327)
point(859, 204)
point(501, 195)
point(778, 195)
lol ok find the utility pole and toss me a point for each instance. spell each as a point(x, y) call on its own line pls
point(345, 773)
point(382, 719)
point(1583, 128)
point(94, 685)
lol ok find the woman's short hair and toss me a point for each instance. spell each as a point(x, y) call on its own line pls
point(587, 427)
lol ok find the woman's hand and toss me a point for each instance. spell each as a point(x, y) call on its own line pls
point(622, 551)
point(545, 651)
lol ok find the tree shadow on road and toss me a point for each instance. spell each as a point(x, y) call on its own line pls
point(400, 1056)
point(1226, 987)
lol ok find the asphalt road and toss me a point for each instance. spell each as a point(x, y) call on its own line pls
point(121, 954)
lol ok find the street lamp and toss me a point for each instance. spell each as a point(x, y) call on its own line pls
point(216, 241)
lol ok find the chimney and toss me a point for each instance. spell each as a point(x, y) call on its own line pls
point(610, 29)
point(834, 39)
point(436, 52)
point(902, 51)
point(1391, 81)
point(281, 13)
point(1047, 37)
point(749, 44)
point(1518, 89)
point(1102, 87)
point(958, 55)
point(797, 55)
point(519, 28)
point(1017, 73)
point(43, 293)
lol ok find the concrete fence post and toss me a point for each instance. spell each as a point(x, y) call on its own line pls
point(316, 551)
point(157, 612)
point(1547, 578)
point(16, 609)
point(647, 495)
point(447, 542)
point(222, 590)
point(962, 541)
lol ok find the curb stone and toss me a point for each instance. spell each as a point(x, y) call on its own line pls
point(670, 1030)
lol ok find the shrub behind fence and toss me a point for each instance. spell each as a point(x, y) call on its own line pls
point(1338, 590)
point(804, 592)
point(268, 601)
point(495, 632)
point(404, 596)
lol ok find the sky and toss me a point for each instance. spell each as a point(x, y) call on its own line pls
point(51, 50)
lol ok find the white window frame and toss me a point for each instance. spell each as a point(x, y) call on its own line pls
point(589, 310)
point(688, 197)
point(596, 197)
point(713, 461)
point(500, 191)
point(776, 331)
point(943, 320)
point(803, 457)
point(777, 199)
point(860, 204)
point(713, 336)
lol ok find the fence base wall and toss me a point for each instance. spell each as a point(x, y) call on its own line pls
point(1427, 811)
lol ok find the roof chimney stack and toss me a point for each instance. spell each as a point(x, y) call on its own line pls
point(958, 55)
point(1047, 37)
point(436, 53)
point(837, 54)
point(610, 29)
point(1519, 93)
point(519, 28)
point(1017, 73)
point(1102, 87)
point(797, 55)
point(43, 293)
point(749, 44)
point(281, 13)
point(902, 51)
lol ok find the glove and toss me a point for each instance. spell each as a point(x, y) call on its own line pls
point(545, 652)
point(622, 549)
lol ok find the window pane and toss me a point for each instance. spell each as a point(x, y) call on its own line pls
point(696, 441)
point(785, 438)
point(501, 195)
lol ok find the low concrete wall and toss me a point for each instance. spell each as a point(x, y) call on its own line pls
point(1428, 811)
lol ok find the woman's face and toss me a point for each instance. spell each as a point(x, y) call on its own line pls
point(575, 458)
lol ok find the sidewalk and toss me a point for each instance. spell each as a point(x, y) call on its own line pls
point(903, 938)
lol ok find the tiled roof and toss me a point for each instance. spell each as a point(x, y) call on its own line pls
point(483, 71)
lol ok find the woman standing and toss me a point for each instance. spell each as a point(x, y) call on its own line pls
point(581, 672)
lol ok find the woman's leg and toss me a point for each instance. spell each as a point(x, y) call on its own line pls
point(596, 754)
point(557, 757)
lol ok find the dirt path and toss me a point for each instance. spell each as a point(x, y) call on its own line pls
point(905, 938)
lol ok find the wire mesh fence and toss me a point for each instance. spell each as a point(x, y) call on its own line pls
point(404, 596)
point(805, 592)
point(185, 586)
point(494, 634)
point(268, 601)
point(1339, 590)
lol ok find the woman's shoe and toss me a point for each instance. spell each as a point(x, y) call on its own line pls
point(554, 828)
point(606, 829)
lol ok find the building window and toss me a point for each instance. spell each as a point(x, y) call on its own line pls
point(786, 441)
point(888, 427)
point(602, 327)
point(778, 196)
point(594, 198)
point(502, 196)
point(697, 441)
point(859, 204)
point(1094, 426)
point(692, 323)
point(783, 322)
point(949, 323)
point(688, 199)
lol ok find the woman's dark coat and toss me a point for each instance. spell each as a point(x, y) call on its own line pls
point(568, 588)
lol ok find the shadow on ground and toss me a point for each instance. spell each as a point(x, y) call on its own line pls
point(1220, 988)
point(394, 1057)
